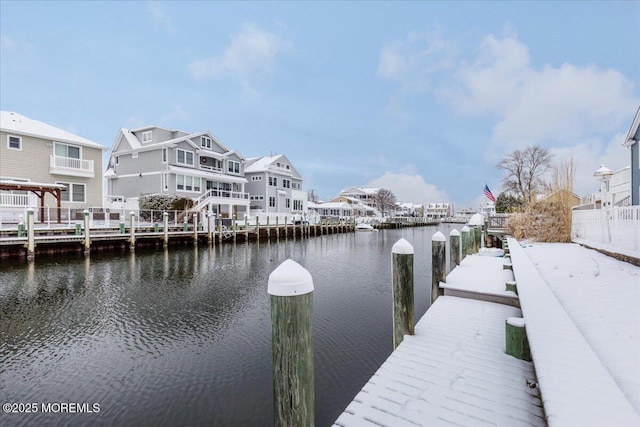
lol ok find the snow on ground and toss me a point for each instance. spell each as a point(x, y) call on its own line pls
point(602, 297)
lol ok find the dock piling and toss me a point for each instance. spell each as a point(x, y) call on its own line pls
point(464, 242)
point(438, 264)
point(31, 236)
point(454, 246)
point(132, 239)
point(87, 233)
point(291, 291)
point(402, 286)
point(517, 344)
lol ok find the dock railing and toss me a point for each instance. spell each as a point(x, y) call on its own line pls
point(617, 226)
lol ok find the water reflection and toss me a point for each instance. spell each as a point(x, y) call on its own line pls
point(182, 336)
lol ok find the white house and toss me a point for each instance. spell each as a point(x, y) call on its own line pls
point(274, 185)
point(631, 142)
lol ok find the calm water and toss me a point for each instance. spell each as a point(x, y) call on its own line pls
point(183, 337)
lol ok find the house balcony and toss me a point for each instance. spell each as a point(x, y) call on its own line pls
point(71, 167)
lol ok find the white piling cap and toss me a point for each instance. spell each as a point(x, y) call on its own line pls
point(476, 219)
point(402, 247)
point(290, 279)
point(438, 237)
point(454, 232)
point(466, 229)
point(518, 322)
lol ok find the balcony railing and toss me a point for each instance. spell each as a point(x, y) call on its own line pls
point(70, 166)
point(18, 200)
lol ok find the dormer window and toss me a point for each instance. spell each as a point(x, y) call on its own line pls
point(206, 142)
point(234, 167)
point(147, 136)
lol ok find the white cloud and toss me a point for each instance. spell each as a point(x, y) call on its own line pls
point(250, 51)
point(159, 18)
point(409, 187)
point(414, 60)
point(546, 106)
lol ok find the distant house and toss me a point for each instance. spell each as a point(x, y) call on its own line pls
point(561, 196)
point(42, 165)
point(631, 142)
point(274, 185)
point(332, 210)
point(409, 209)
point(438, 210)
point(364, 195)
point(154, 160)
point(358, 208)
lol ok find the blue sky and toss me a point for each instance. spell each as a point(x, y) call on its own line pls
point(423, 98)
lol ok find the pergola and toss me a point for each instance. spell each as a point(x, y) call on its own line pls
point(39, 189)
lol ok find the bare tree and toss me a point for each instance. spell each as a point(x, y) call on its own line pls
point(524, 170)
point(311, 196)
point(385, 200)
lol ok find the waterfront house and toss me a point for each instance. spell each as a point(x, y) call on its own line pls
point(155, 160)
point(438, 211)
point(409, 209)
point(332, 210)
point(274, 185)
point(357, 207)
point(46, 167)
point(364, 195)
point(631, 142)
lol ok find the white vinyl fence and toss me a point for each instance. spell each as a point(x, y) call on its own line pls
point(617, 226)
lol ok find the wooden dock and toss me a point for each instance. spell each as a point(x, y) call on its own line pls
point(455, 370)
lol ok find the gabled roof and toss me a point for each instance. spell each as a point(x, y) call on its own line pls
point(135, 144)
point(269, 164)
point(360, 190)
point(16, 123)
point(633, 131)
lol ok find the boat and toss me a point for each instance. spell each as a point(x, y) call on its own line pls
point(364, 227)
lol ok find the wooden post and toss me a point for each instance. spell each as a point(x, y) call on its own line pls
point(291, 290)
point(165, 237)
point(285, 227)
point(402, 286)
point(21, 231)
point(277, 228)
point(454, 246)
point(257, 228)
point(517, 344)
point(132, 239)
point(511, 285)
point(87, 233)
point(31, 236)
point(464, 242)
point(246, 228)
point(122, 231)
point(195, 229)
point(235, 230)
point(438, 264)
point(209, 230)
point(268, 229)
point(478, 237)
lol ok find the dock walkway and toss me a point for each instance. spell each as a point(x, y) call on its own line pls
point(454, 370)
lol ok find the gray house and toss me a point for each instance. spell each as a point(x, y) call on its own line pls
point(154, 160)
point(631, 142)
point(275, 185)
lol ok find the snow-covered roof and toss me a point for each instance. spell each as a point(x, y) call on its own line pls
point(329, 205)
point(270, 163)
point(363, 190)
point(16, 123)
point(629, 140)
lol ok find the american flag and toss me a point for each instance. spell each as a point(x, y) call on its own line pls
point(488, 193)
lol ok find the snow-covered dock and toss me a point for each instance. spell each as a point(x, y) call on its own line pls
point(583, 325)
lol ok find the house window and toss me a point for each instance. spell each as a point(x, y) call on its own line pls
point(14, 142)
point(205, 142)
point(187, 183)
point(234, 167)
point(146, 136)
point(287, 203)
point(297, 205)
point(256, 178)
point(165, 182)
point(272, 202)
point(273, 181)
point(117, 160)
point(73, 193)
point(184, 157)
point(64, 150)
point(164, 155)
